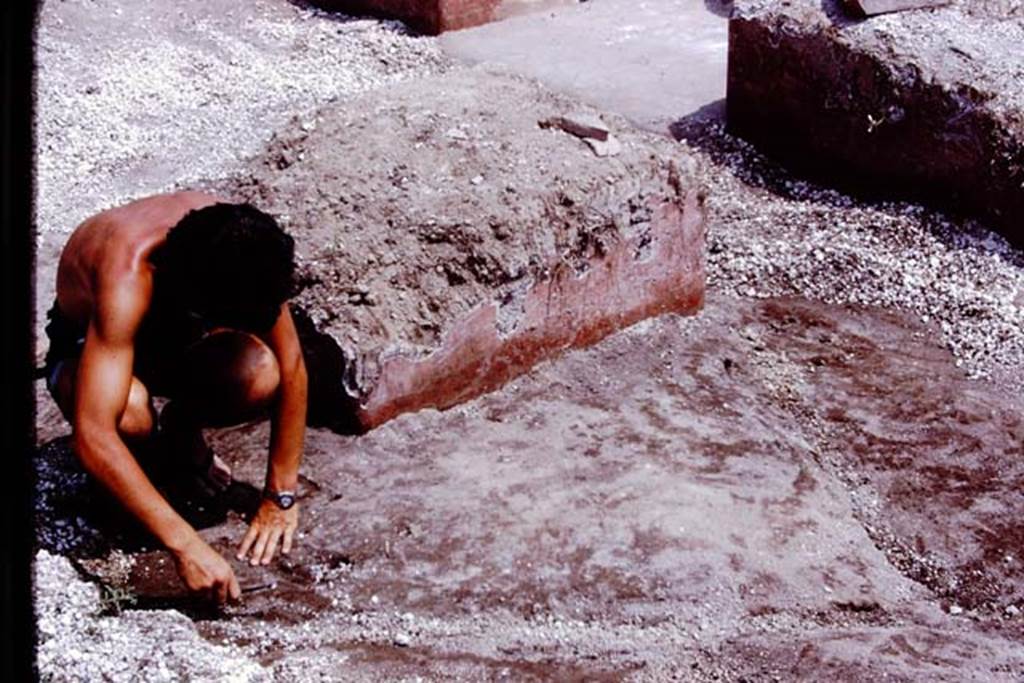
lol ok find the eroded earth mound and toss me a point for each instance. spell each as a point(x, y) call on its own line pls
point(448, 242)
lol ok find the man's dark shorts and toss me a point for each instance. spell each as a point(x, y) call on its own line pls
point(66, 341)
point(161, 345)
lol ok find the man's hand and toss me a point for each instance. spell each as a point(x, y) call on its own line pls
point(270, 525)
point(204, 571)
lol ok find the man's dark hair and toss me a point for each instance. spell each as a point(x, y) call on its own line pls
point(229, 263)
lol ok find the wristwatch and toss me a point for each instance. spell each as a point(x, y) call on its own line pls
point(283, 499)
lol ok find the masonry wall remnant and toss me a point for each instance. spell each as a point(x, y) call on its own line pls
point(923, 105)
point(437, 16)
point(449, 242)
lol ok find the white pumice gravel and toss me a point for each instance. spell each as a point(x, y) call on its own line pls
point(141, 97)
point(771, 234)
point(78, 643)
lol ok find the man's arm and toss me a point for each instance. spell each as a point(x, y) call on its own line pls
point(101, 394)
point(272, 525)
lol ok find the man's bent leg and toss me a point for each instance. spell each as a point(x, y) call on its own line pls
point(228, 378)
point(138, 419)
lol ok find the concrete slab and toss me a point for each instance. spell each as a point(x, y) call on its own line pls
point(653, 61)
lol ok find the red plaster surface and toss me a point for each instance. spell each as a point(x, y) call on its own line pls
point(627, 285)
point(428, 16)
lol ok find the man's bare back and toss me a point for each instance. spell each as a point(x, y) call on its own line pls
point(117, 244)
point(181, 296)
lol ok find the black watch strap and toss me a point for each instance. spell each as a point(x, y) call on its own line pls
point(283, 499)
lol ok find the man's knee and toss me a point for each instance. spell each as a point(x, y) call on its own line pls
point(259, 374)
point(231, 374)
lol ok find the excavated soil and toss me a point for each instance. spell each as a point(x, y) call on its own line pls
point(928, 104)
point(449, 241)
point(415, 203)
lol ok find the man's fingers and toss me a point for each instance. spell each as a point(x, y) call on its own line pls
point(234, 590)
point(261, 545)
point(250, 536)
point(221, 591)
point(286, 547)
point(268, 554)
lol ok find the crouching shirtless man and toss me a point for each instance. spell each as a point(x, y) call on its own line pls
point(182, 296)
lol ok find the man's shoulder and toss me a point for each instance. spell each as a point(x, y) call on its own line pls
point(122, 300)
point(130, 231)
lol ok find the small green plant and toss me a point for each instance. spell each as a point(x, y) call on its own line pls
point(115, 599)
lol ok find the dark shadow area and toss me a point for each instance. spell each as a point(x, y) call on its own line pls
point(76, 516)
point(330, 404)
point(707, 130)
point(721, 8)
point(840, 16)
point(713, 112)
point(343, 14)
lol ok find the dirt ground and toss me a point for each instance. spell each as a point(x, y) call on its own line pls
point(774, 489)
point(817, 476)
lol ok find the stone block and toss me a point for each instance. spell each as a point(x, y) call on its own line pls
point(867, 8)
point(925, 105)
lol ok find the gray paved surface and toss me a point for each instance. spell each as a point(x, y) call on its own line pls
point(653, 61)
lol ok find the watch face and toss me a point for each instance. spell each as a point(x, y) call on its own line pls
point(283, 500)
